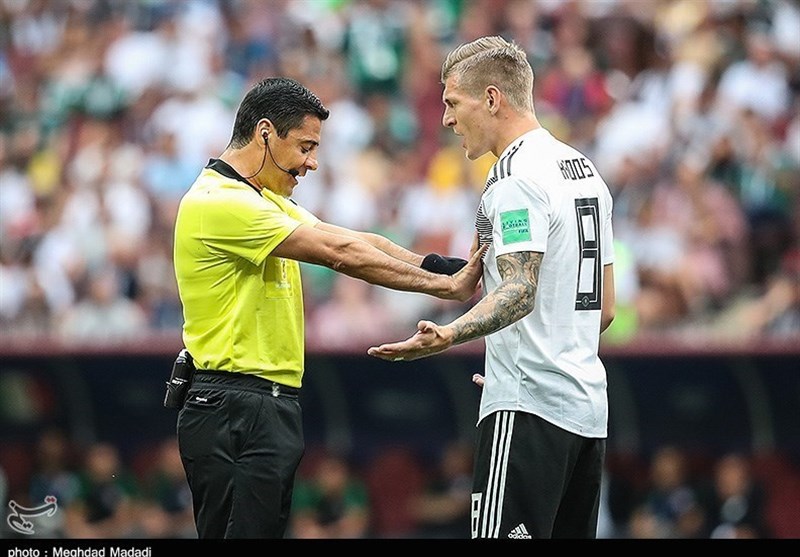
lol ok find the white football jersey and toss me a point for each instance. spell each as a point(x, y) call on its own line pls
point(545, 196)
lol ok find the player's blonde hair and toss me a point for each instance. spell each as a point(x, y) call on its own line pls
point(492, 61)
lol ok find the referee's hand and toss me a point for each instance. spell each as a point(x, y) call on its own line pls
point(478, 379)
point(467, 280)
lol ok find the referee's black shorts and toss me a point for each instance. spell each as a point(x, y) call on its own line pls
point(533, 479)
point(241, 440)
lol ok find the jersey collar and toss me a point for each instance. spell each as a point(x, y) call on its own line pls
point(221, 167)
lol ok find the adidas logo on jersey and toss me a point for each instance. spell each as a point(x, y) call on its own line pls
point(519, 533)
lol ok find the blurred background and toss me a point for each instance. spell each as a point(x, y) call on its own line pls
point(689, 108)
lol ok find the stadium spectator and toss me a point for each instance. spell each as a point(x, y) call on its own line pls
point(54, 474)
point(671, 504)
point(737, 504)
point(442, 510)
point(330, 501)
point(758, 83)
point(166, 507)
point(102, 315)
point(106, 506)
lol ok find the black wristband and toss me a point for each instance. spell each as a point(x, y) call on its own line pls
point(442, 264)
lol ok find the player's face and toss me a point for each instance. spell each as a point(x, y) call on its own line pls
point(465, 114)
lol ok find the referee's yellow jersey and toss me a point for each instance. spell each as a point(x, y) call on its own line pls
point(242, 308)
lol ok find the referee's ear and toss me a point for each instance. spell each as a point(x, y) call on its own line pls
point(264, 128)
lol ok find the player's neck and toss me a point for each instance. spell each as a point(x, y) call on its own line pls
point(513, 128)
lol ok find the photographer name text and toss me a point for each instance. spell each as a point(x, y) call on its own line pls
point(114, 551)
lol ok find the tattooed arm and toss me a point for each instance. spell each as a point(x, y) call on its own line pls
point(512, 300)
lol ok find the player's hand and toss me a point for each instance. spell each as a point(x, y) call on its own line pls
point(429, 339)
point(467, 279)
point(478, 379)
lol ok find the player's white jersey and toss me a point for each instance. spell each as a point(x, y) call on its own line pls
point(545, 196)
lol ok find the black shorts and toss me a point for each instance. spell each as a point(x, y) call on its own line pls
point(534, 480)
point(241, 441)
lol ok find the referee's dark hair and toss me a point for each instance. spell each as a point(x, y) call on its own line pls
point(283, 100)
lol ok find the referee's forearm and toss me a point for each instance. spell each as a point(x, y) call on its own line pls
point(390, 248)
point(366, 262)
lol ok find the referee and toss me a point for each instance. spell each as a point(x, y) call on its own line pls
point(238, 240)
point(545, 214)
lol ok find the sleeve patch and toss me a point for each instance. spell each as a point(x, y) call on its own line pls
point(515, 226)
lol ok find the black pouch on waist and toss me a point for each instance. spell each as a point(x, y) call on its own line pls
point(179, 380)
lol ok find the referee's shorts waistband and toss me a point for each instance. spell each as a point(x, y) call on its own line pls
point(238, 380)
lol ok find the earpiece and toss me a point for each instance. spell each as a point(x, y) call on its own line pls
point(265, 134)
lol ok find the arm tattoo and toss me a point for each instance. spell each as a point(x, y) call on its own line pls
point(512, 300)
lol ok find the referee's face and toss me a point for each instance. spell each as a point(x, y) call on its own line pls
point(294, 155)
point(465, 114)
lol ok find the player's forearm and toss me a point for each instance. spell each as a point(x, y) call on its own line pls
point(507, 304)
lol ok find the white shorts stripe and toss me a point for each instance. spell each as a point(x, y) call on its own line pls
point(504, 468)
point(488, 502)
point(498, 465)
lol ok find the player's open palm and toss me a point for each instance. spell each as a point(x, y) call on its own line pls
point(429, 339)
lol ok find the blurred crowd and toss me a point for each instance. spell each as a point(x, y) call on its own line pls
point(110, 108)
point(101, 493)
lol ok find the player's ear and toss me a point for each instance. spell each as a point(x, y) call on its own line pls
point(491, 98)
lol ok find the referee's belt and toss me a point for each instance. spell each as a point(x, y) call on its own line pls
point(236, 380)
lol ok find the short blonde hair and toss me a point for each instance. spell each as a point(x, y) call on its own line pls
point(492, 61)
